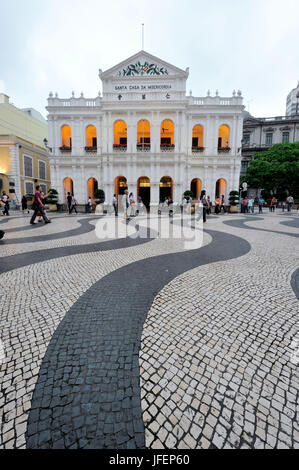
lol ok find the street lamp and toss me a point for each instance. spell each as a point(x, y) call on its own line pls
point(46, 144)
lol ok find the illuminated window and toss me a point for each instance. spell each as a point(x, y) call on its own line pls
point(66, 137)
point(91, 137)
point(143, 134)
point(197, 136)
point(167, 133)
point(120, 134)
point(223, 137)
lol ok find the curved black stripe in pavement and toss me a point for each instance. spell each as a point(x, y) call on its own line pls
point(291, 223)
point(241, 223)
point(8, 263)
point(84, 227)
point(87, 393)
point(295, 282)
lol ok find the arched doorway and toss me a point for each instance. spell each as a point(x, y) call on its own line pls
point(166, 188)
point(92, 186)
point(195, 187)
point(120, 185)
point(144, 190)
point(68, 187)
point(220, 189)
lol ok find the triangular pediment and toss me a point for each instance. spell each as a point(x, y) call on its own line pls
point(143, 65)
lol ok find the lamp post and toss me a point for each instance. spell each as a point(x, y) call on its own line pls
point(46, 145)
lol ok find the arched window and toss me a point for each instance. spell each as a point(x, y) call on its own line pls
point(167, 135)
point(143, 135)
point(223, 138)
point(120, 135)
point(66, 138)
point(91, 138)
point(197, 138)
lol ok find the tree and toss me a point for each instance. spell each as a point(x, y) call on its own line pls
point(276, 170)
point(53, 197)
point(100, 196)
point(188, 194)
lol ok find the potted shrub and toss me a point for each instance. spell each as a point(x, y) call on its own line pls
point(99, 195)
point(52, 200)
point(233, 201)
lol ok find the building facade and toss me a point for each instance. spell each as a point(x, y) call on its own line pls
point(146, 135)
point(259, 134)
point(24, 161)
point(292, 106)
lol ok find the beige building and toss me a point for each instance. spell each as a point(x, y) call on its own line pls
point(23, 158)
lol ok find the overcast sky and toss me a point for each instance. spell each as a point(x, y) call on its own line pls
point(59, 45)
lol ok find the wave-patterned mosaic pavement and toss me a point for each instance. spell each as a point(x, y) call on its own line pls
point(137, 343)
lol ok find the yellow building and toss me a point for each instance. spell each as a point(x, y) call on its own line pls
point(24, 160)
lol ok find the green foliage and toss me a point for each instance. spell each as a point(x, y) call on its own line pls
point(53, 197)
point(188, 194)
point(276, 170)
point(99, 194)
point(234, 198)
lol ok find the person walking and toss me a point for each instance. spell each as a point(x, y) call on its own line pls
point(5, 200)
point(290, 201)
point(245, 205)
point(73, 205)
point(24, 204)
point(217, 205)
point(38, 206)
point(273, 204)
point(132, 204)
point(222, 204)
point(69, 202)
point(89, 205)
point(205, 204)
point(126, 205)
point(261, 203)
point(115, 205)
point(251, 206)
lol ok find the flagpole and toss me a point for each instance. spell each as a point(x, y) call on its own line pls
point(143, 36)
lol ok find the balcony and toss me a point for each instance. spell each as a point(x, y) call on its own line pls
point(196, 149)
point(143, 147)
point(119, 147)
point(91, 149)
point(224, 149)
point(167, 147)
point(65, 149)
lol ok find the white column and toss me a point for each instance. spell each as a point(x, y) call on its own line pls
point(15, 170)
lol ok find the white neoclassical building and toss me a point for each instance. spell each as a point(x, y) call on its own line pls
point(146, 135)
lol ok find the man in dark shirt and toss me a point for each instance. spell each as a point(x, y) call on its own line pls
point(69, 202)
point(39, 207)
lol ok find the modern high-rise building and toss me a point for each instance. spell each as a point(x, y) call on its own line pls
point(292, 107)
